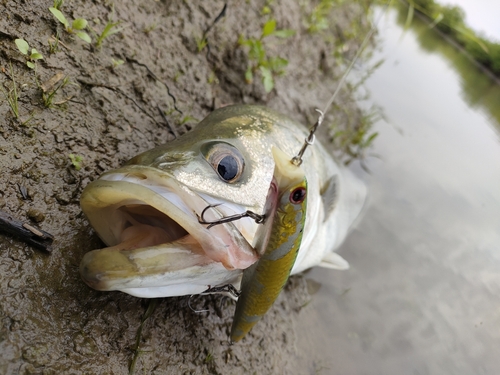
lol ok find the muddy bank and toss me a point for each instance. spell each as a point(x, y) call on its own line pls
point(107, 112)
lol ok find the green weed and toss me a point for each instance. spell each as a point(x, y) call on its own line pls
point(209, 358)
point(201, 43)
point(32, 56)
point(54, 43)
point(76, 160)
point(11, 95)
point(110, 29)
point(354, 140)
point(260, 62)
point(58, 4)
point(187, 119)
point(116, 63)
point(75, 27)
point(50, 89)
point(317, 20)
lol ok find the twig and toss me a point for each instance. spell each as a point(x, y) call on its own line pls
point(25, 232)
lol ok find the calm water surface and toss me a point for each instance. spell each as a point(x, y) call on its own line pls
point(423, 292)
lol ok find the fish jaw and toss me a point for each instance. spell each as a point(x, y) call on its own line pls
point(150, 223)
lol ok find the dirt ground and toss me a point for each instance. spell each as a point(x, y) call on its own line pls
point(51, 322)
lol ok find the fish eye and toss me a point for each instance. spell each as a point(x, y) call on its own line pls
point(225, 159)
point(228, 168)
point(298, 195)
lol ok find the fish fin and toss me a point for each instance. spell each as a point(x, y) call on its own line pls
point(330, 195)
point(334, 261)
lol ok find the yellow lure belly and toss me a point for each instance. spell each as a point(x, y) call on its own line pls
point(278, 241)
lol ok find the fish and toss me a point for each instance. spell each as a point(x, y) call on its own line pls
point(279, 238)
point(147, 211)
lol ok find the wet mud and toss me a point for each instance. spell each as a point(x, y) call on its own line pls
point(108, 111)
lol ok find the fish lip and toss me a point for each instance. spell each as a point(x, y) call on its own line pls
point(126, 186)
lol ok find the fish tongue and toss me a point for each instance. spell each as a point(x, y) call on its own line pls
point(126, 266)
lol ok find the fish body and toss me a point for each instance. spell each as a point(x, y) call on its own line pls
point(263, 281)
point(147, 211)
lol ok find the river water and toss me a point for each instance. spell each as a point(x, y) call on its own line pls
point(423, 292)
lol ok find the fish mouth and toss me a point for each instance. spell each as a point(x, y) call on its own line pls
point(156, 245)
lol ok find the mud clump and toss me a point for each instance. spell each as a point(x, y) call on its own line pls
point(106, 109)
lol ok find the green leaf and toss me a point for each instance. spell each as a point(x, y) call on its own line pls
point(370, 139)
point(58, 14)
point(79, 24)
point(266, 10)
point(249, 75)
point(110, 29)
point(267, 79)
point(257, 51)
point(269, 28)
point(22, 46)
point(35, 55)
point(285, 33)
point(277, 64)
point(83, 36)
point(30, 65)
point(76, 160)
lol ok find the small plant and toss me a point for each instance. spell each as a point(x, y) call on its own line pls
point(267, 66)
point(32, 56)
point(58, 4)
point(201, 43)
point(116, 63)
point(317, 20)
point(187, 119)
point(54, 43)
point(76, 160)
point(110, 29)
point(75, 27)
point(51, 87)
point(209, 358)
point(355, 139)
point(11, 95)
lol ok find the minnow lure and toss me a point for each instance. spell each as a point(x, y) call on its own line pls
point(279, 238)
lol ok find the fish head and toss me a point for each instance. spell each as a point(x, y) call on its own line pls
point(147, 212)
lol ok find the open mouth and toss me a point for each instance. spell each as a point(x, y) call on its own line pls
point(150, 224)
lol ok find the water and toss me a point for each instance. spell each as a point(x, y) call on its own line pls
point(422, 294)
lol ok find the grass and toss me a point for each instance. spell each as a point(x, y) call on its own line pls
point(110, 29)
point(11, 95)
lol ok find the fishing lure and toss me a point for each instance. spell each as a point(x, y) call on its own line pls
point(279, 238)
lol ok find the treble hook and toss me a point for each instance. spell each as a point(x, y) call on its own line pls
point(297, 159)
point(227, 288)
point(259, 219)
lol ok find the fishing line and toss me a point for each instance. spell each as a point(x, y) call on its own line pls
point(297, 160)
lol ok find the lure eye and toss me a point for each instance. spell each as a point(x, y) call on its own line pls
point(225, 159)
point(298, 195)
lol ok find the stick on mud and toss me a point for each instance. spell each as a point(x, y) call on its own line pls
point(25, 232)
